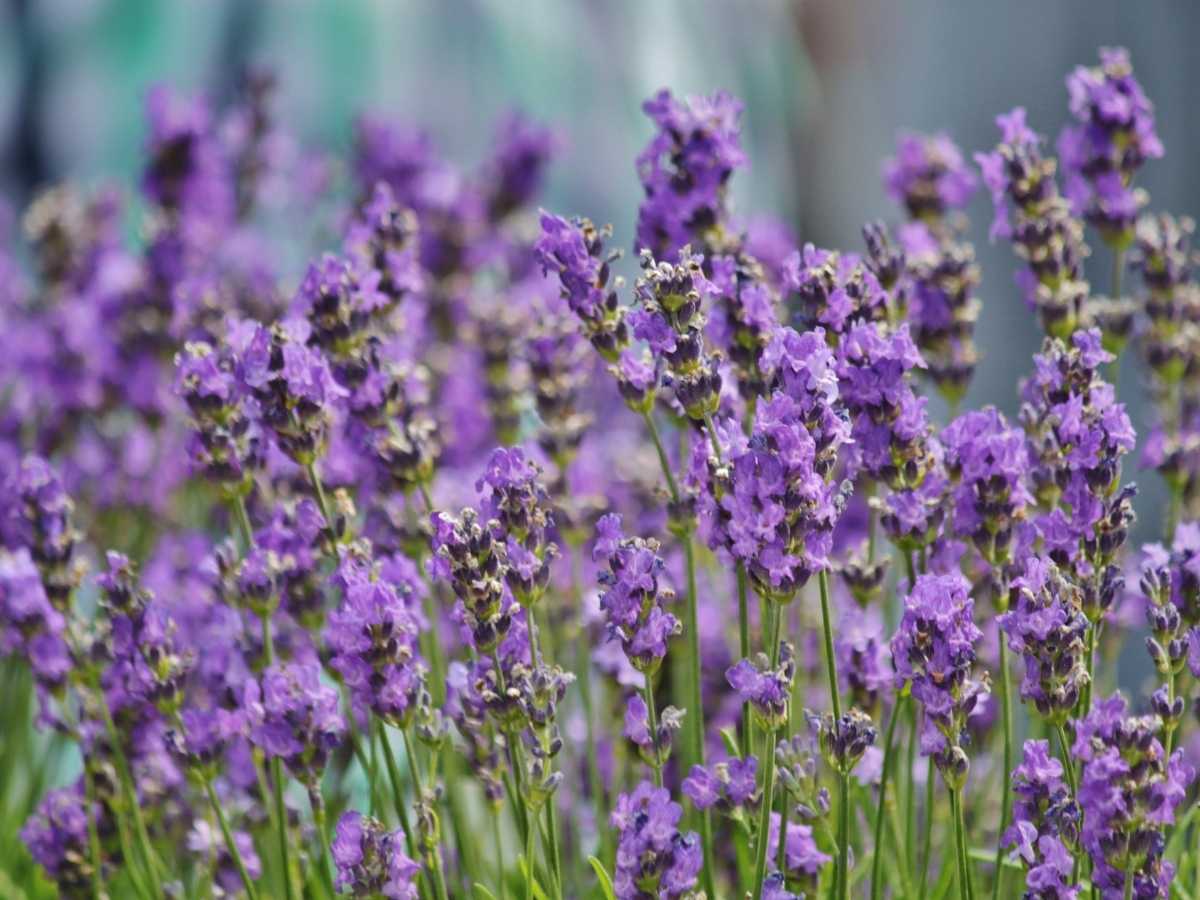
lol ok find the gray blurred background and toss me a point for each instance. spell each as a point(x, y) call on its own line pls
point(826, 86)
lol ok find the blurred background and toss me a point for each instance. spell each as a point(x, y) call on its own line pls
point(826, 84)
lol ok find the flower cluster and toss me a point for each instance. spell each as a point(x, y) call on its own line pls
point(371, 861)
point(654, 859)
point(1113, 137)
point(1129, 790)
point(1045, 823)
point(934, 650)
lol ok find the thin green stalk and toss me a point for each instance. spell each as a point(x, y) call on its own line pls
point(695, 719)
point(1006, 775)
point(965, 889)
point(277, 774)
point(1068, 765)
point(529, 864)
point(843, 866)
point(764, 818)
point(1169, 737)
point(830, 660)
point(888, 744)
point(584, 671)
point(433, 859)
point(910, 797)
point(317, 802)
point(397, 792)
point(744, 651)
point(89, 787)
point(230, 843)
point(1128, 885)
point(146, 848)
point(652, 716)
point(319, 490)
point(496, 836)
point(243, 520)
point(927, 838)
point(1091, 667)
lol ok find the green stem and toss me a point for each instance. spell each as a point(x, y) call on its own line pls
point(433, 858)
point(843, 866)
point(652, 716)
point(927, 838)
point(1128, 886)
point(1068, 766)
point(888, 744)
point(830, 661)
point(584, 672)
point(496, 836)
point(93, 835)
point(965, 890)
point(397, 791)
point(152, 863)
point(318, 810)
point(322, 501)
point(243, 520)
point(1006, 775)
point(230, 843)
point(1169, 737)
point(1091, 667)
point(764, 817)
point(663, 460)
point(744, 651)
point(277, 774)
point(529, 864)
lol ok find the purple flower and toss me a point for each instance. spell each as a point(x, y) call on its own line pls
point(988, 462)
point(633, 600)
point(514, 173)
point(30, 625)
point(1031, 212)
point(208, 845)
point(56, 835)
point(654, 748)
point(1113, 136)
point(383, 238)
point(767, 689)
point(1128, 793)
point(370, 860)
point(684, 171)
point(934, 651)
point(833, 290)
point(372, 637)
point(298, 720)
point(928, 175)
point(1045, 823)
point(1046, 625)
point(803, 859)
point(731, 786)
point(653, 858)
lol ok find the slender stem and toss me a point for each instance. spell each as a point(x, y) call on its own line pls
point(397, 791)
point(764, 818)
point(1128, 893)
point(318, 810)
point(964, 875)
point(744, 651)
point(1169, 737)
point(529, 864)
point(830, 660)
point(230, 843)
point(584, 671)
point(243, 520)
point(433, 858)
point(277, 775)
point(153, 865)
point(1068, 765)
point(500, 880)
point(663, 460)
point(910, 798)
point(1091, 667)
point(927, 838)
point(888, 744)
point(652, 715)
point(96, 859)
point(1006, 775)
point(781, 849)
point(843, 867)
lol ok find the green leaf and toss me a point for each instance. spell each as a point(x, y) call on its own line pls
point(731, 742)
point(537, 888)
point(482, 892)
point(606, 884)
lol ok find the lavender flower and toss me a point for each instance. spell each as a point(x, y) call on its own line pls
point(929, 176)
point(729, 786)
point(371, 861)
point(988, 463)
point(767, 689)
point(382, 238)
point(30, 625)
point(1043, 231)
point(934, 651)
point(1101, 154)
point(669, 319)
point(653, 747)
point(633, 600)
point(56, 836)
point(1045, 823)
point(684, 171)
point(654, 860)
point(298, 720)
point(1128, 792)
point(803, 859)
point(574, 251)
point(833, 290)
point(207, 843)
point(1046, 625)
point(41, 519)
point(514, 173)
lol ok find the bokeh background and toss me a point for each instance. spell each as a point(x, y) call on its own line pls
point(826, 84)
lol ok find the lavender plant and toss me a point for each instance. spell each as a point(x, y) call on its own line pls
point(452, 565)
